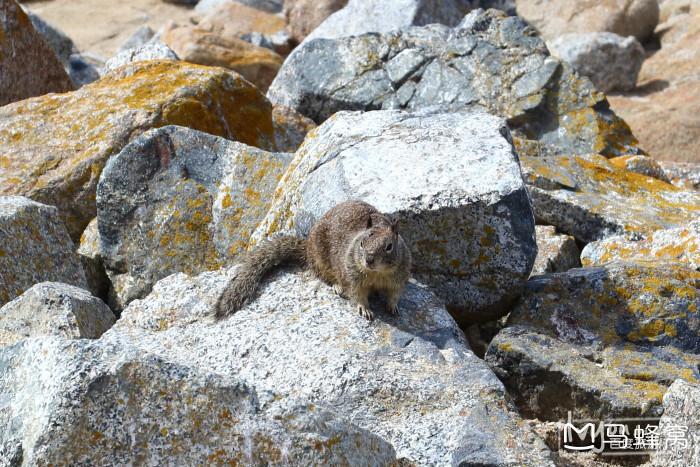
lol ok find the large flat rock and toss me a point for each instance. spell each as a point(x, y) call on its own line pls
point(453, 180)
point(297, 374)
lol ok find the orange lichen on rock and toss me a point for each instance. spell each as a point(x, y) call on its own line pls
point(66, 139)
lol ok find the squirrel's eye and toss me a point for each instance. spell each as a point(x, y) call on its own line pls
point(362, 243)
point(389, 247)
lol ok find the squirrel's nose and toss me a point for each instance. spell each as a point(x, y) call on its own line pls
point(370, 261)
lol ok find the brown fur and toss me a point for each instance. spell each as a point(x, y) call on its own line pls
point(347, 248)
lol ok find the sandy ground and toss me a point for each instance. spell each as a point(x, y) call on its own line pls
point(101, 26)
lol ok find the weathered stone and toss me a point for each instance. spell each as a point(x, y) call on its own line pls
point(290, 128)
point(67, 401)
point(588, 197)
point(681, 244)
point(145, 52)
point(643, 165)
point(34, 247)
point(89, 255)
point(61, 45)
point(670, 8)
point(679, 445)
point(271, 6)
point(179, 200)
point(610, 61)
point(279, 42)
point(552, 18)
point(55, 147)
point(363, 16)
point(304, 16)
point(452, 178)
point(490, 62)
point(233, 19)
point(139, 37)
point(7, 338)
point(29, 67)
point(56, 309)
point(601, 342)
point(258, 65)
point(410, 380)
point(682, 174)
point(81, 71)
point(555, 252)
point(664, 110)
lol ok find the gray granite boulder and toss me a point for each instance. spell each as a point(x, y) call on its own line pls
point(555, 252)
point(362, 16)
point(683, 174)
point(147, 51)
point(81, 71)
point(489, 62)
point(629, 18)
point(296, 376)
point(679, 428)
point(681, 244)
point(56, 309)
point(452, 179)
point(61, 45)
point(89, 255)
point(590, 198)
point(176, 200)
point(34, 247)
point(111, 402)
point(271, 6)
point(610, 61)
point(601, 342)
point(643, 165)
point(29, 66)
point(138, 38)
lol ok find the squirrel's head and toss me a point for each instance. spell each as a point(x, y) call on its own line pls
point(378, 245)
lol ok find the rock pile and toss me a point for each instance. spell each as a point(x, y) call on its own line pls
point(143, 189)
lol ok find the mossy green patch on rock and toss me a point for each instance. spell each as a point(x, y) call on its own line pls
point(55, 146)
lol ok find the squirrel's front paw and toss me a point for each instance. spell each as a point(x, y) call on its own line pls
point(339, 290)
point(365, 312)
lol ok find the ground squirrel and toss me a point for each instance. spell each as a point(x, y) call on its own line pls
point(353, 247)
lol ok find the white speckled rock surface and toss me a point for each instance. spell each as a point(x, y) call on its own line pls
point(34, 247)
point(408, 384)
point(361, 16)
point(453, 180)
point(681, 244)
point(179, 200)
point(55, 309)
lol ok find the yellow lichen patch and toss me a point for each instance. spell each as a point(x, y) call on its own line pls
point(97, 120)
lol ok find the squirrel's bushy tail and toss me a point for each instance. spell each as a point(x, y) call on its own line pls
point(259, 262)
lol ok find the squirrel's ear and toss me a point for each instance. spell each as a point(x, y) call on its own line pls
point(395, 226)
